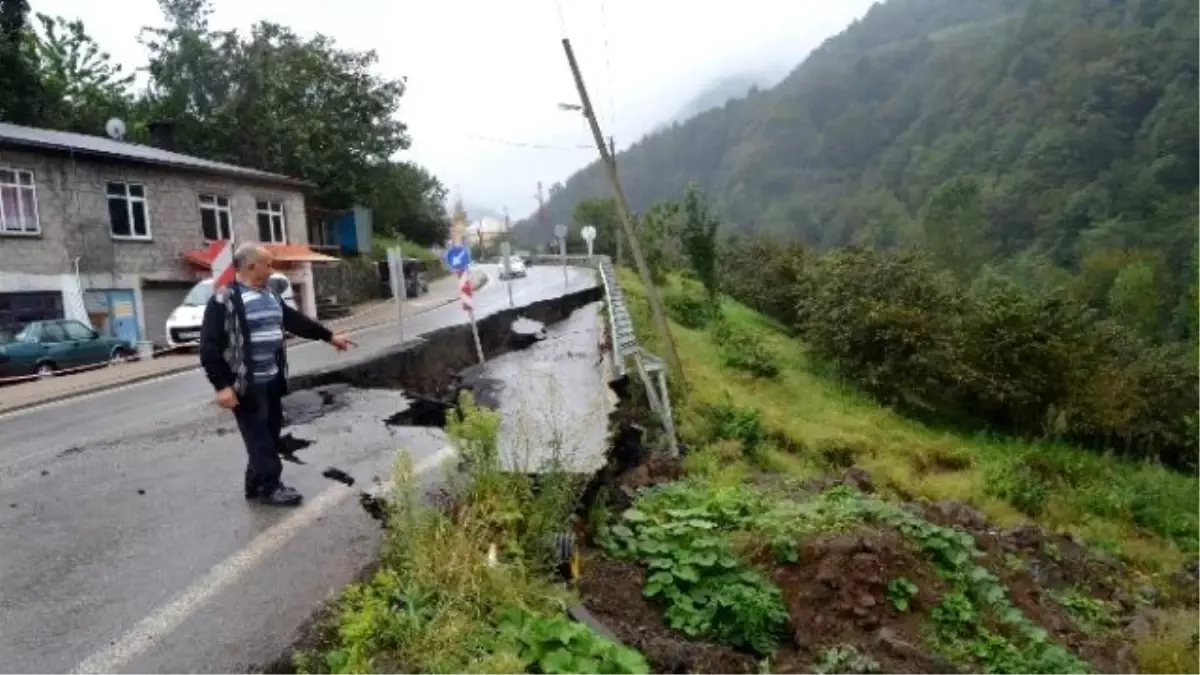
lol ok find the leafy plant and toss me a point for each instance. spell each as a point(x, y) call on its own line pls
point(900, 592)
point(692, 569)
point(1091, 613)
point(740, 423)
point(846, 659)
point(555, 644)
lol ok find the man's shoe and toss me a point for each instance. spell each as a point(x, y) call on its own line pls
point(282, 496)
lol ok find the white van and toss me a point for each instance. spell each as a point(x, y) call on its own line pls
point(183, 326)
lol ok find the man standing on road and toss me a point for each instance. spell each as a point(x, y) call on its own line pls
point(244, 356)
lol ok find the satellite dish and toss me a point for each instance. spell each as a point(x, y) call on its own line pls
point(115, 128)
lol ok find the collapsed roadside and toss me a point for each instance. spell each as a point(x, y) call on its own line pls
point(763, 548)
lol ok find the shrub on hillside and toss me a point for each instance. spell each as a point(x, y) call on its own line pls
point(689, 308)
point(763, 274)
point(889, 321)
point(743, 349)
point(1032, 362)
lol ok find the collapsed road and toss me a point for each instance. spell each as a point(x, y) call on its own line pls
point(126, 546)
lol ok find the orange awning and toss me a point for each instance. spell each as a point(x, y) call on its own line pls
point(284, 253)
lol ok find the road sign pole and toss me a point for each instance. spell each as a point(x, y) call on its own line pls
point(466, 296)
point(475, 332)
point(506, 266)
point(589, 235)
point(562, 252)
point(403, 286)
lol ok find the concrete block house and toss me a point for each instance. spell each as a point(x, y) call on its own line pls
point(117, 232)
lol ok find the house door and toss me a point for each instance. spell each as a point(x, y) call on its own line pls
point(122, 315)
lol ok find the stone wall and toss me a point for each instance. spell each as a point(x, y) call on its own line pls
point(351, 281)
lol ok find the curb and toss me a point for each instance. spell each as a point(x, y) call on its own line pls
point(173, 370)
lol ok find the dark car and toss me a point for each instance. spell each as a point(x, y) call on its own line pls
point(415, 284)
point(46, 347)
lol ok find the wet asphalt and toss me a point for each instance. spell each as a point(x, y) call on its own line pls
point(555, 402)
point(126, 545)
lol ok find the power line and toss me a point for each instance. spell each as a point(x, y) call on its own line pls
point(535, 146)
point(612, 105)
point(562, 21)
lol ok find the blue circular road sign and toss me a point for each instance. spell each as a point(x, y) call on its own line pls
point(458, 257)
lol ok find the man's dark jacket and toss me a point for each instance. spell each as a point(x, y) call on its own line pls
point(214, 339)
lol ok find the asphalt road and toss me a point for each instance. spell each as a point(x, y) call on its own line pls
point(126, 546)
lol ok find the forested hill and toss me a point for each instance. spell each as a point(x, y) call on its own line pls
point(1058, 126)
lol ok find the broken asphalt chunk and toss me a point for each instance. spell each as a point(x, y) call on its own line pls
point(334, 473)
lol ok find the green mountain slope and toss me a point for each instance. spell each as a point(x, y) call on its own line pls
point(1072, 123)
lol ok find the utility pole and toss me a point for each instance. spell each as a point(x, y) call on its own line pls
point(612, 151)
point(610, 165)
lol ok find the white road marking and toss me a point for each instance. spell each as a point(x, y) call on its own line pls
point(170, 616)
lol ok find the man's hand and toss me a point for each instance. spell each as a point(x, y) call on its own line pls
point(340, 342)
point(227, 398)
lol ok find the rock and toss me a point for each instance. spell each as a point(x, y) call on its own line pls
point(957, 513)
point(860, 479)
point(637, 477)
point(887, 640)
point(1140, 625)
point(865, 600)
point(1148, 593)
point(1025, 536)
point(1124, 659)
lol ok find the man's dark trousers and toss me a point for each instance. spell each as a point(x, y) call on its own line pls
point(260, 419)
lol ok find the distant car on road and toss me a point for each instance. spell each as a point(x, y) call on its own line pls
point(44, 348)
point(516, 268)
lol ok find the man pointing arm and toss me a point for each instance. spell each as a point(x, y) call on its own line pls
point(243, 354)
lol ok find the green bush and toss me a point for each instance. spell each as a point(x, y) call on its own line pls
point(1031, 361)
point(744, 350)
point(889, 321)
point(688, 308)
point(763, 274)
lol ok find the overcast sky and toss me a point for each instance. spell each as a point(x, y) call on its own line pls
point(485, 76)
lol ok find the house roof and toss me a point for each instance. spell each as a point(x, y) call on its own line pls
point(286, 253)
point(97, 146)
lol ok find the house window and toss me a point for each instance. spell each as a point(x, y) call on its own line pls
point(215, 220)
point(127, 218)
point(18, 202)
point(271, 226)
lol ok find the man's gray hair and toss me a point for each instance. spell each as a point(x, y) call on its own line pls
point(245, 254)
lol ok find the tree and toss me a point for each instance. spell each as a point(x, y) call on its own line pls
point(602, 215)
point(409, 201)
point(1135, 298)
point(658, 229)
point(698, 236)
point(82, 85)
point(953, 227)
point(22, 97)
point(275, 101)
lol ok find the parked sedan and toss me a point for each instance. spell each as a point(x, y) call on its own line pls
point(45, 347)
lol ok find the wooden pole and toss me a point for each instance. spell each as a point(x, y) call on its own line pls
point(656, 310)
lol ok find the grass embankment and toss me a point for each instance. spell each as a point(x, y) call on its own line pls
point(468, 583)
point(748, 379)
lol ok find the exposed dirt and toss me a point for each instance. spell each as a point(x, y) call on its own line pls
point(837, 595)
point(612, 591)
